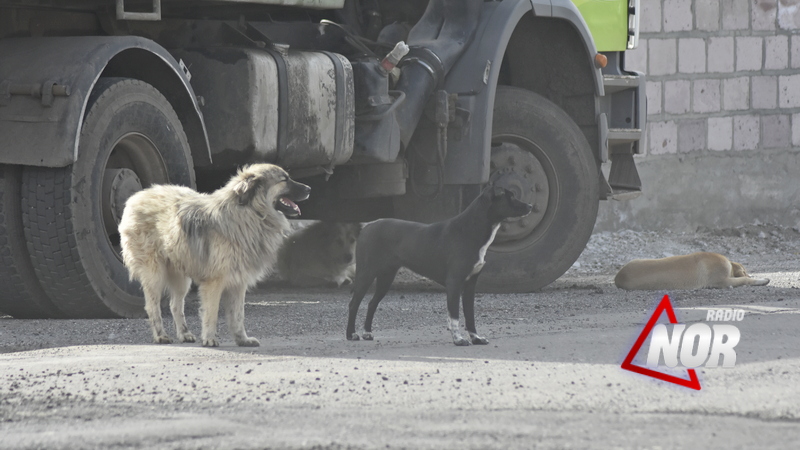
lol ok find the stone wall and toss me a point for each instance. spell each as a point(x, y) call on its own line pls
point(723, 104)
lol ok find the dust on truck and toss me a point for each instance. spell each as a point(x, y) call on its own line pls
point(99, 99)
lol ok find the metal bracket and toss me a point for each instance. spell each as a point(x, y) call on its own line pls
point(124, 15)
point(185, 69)
point(443, 107)
point(45, 91)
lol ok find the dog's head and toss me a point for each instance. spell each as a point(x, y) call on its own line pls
point(344, 241)
point(267, 186)
point(737, 270)
point(504, 204)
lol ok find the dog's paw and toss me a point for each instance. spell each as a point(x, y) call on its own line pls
point(478, 340)
point(249, 342)
point(458, 338)
point(187, 337)
point(163, 339)
point(366, 336)
point(353, 337)
point(461, 342)
point(211, 342)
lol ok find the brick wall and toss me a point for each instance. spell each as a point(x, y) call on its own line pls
point(723, 80)
point(722, 74)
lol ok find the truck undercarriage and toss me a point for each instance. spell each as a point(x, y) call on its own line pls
point(99, 99)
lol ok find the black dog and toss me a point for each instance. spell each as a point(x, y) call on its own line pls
point(450, 253)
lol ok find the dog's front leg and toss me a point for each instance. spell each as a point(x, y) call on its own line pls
point(359, 291)
point(348, 276)
point(454, 289)
point(210, 293)
point(234, 315)
point(468, 301)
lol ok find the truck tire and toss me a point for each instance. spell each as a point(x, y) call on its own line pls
point(540, 154)
point(21, 295)
point(131, 138)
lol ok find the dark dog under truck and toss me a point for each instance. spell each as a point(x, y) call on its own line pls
point(102, 98)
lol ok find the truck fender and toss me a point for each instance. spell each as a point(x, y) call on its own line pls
point(475, 76)
point(45, 85)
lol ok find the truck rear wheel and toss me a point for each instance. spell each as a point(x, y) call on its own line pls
point(540, 154)
point(21, 295)
point(131, 138)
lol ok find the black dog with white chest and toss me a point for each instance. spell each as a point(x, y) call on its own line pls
point(451, 253)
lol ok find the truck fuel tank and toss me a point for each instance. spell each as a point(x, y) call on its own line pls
point(292, 108)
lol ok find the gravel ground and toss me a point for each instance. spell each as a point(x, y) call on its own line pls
point(764, 250)
point(759, 247)
point(549, 378)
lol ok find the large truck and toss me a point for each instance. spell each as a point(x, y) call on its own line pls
point(102, 98)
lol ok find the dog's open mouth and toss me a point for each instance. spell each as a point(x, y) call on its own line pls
point(287, 207)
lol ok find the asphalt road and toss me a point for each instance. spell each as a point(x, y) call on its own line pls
point(549, 378)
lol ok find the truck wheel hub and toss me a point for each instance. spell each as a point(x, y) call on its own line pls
point(118, 186)
point(520, 172)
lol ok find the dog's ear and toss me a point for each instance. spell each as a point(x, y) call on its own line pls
point(246, 189)
point(493, 179)
point(498, 191)
point(353, 230)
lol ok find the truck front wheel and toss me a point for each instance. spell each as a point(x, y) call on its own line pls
point(540, 154)
point(131, 138)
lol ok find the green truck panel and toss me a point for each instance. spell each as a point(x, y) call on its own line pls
point(607, 21)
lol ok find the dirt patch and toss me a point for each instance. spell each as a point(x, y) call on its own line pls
point(759, 247)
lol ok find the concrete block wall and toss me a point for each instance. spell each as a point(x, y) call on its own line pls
point(723, 92)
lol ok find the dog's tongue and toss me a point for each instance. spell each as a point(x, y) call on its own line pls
point(290, 204)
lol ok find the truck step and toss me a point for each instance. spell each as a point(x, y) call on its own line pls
point(616, 83)
point(623, 135)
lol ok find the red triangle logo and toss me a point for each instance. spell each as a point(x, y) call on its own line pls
point(665, 305)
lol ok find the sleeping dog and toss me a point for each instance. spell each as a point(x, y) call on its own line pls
point(694, 271)
point(451, 253)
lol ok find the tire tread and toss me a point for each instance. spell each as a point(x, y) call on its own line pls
point(51, 242)
point(21, 294)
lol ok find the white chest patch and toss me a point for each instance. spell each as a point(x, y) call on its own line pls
point(482, 252)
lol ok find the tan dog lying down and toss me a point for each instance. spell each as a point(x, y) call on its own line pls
point(694, 271)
